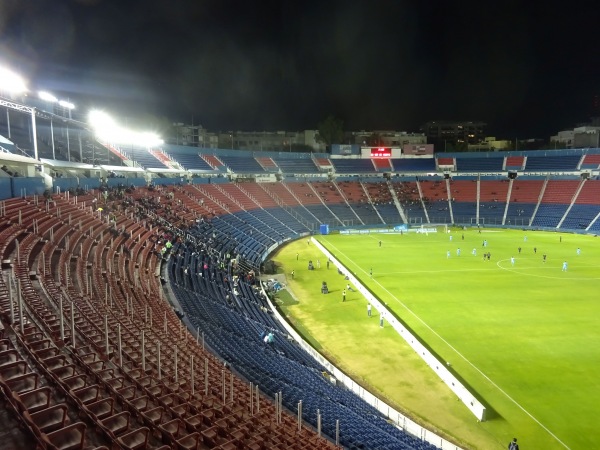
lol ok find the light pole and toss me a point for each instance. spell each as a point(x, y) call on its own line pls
point(46, 96)
point(10, 84)
point(68, 106)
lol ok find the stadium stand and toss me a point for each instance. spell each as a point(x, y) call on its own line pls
point(435, 199)
point(120, 369)
point(144, 157)
point(445, 161)
point(492, 200)
point(323, 163)
point(515, 162)
point(590, 162)
point(409, 197)
point(189, 159)
point(464, 199)
point(213, 161)
point(242, 164)
point(268, 164)
point(382, 165)
point(126, 396)
point(413, 165)
point(557, 197)
point(296, 165)
point(552, 163)
point(353, 165)
point(524, 198)
point(490, 164)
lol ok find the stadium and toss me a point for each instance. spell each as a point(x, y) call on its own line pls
point(137, 310)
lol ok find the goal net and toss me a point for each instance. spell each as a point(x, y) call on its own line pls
point(433, 228)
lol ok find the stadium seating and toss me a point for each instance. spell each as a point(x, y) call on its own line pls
point(353, 165)
point(549, 163)
point(296, 165)
point(242, 164)
point(491, 164)
point(189, 159)
point(119, 368)
point(413, 165)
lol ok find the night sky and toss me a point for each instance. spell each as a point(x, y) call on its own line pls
point(527, 68)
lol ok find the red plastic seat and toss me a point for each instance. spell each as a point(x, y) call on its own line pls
point(85, 395)
point(70, 437)
point(9, 356)
point(116, 424)
point(134, 440)
point(13, 369)
point(139, 404)
point(50, 419)
point(75, 382)
point(101, 409)
point(23, 383)
point(172, 430)
point(35, 400)
point(190, 442)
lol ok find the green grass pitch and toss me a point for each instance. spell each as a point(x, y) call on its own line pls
point(525, 337)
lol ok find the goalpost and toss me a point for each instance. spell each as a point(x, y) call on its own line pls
point(433, 228)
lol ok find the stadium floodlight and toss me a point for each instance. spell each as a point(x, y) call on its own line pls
point(147, 139)
point(100, 121)
point(11, 82)
point(106, 128)
point(47, 97)
point(66, 104)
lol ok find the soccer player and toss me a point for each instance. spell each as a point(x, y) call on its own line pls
point(474, 251)
point(564, 266)
point(544, 257)
point(380, 243)
point(458, 252)
point(578, 251)
point(369, 310)
point(448, 254)
point(512, 260)
point(344, 295)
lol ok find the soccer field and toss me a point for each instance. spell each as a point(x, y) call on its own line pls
point(524, 336)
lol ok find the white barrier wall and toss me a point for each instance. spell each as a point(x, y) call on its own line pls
point(474, 405)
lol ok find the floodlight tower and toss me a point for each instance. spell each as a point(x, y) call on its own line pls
point(13, 84)
point(48, 97)
point(67, 106)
